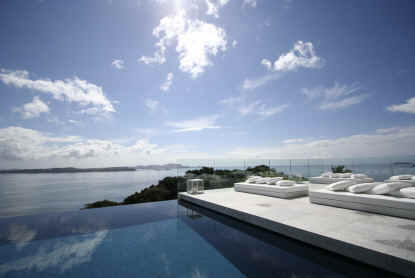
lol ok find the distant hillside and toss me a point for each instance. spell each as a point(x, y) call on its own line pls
point(404, 164)
point(66, 170)
point(170, 166)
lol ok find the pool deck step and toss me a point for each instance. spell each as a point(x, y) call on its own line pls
point(383, 241)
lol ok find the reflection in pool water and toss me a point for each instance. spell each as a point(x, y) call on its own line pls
point(62, 254)
point(162, 239)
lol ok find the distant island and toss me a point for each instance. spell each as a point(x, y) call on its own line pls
point(404, 164)
point(163, 167)
point(66, 170)
point(170, 166)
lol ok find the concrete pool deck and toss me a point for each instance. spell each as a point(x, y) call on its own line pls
point(383, 241)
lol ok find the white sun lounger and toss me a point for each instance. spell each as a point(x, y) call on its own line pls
point(326, 180)
point(382, 204)
point(284, 192)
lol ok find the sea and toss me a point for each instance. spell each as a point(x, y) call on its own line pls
point(26, 194)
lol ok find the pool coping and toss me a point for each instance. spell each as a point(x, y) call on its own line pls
point(358, 235)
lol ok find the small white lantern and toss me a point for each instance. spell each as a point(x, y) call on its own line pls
point(195, 186)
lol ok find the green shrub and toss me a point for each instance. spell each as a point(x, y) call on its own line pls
point(340, 169)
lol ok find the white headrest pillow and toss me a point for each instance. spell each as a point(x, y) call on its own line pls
point(341, 185)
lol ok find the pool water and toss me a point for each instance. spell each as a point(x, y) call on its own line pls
point(163, 239)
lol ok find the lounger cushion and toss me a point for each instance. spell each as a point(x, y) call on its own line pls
point(285, 183)
point(401, 177)
point(358, 176)
point(408, 192)
point(326, 175)
point(385, 188)
point(297, 190)
point(362, 187)
point(345, 175)
point(272, 181)
point(252, 179)
point(341, 185)
point(262, 181)
point(396, 193)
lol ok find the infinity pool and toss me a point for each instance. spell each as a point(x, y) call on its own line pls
point(163, 239)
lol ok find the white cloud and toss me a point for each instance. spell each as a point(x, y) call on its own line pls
point(32, 109)
point(28, 148)
point(250, 84)
point(302, 55)
point(293, 141)
point(70, 90)
point(118, 64)
point(336, 97)
point(396, 142)
point(408, 107)
point(22, 144)
point(246, 106)
point(146, 131)
point(251, 3)
point(152, 104)
point(75, 122)
point(18, 143)
point(198, 124)
point(196, 42)
point(343, 103)
point(169, 81)
point(267, 63)
point(234, 43)
point(213, 6)
point(93, 111)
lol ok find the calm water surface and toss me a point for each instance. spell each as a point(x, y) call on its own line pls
point(23, 194)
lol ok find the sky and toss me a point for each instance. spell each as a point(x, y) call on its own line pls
point(117, 83)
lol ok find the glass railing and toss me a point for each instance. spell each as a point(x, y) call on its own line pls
point(223, 173)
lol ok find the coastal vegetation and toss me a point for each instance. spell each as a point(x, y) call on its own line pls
point(340, 169)
point(168, 188)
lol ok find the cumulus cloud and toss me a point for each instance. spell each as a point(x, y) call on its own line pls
point(302, 55)
point(251, 3)
point(213, 6)
point(167, 84)
point(70, 90)
point(293, 141)
point(234, 43)
point(197, 124)
point(32, 109)
point(392, 142)
point(118, 64)
point(246, 106)
point(267, 64)
point(196, 42)
point(336, 97)
point(17, 143)
point(152, 104)
point(250, 84)
point(408, 107)
point(28, 148)
point(22, 144)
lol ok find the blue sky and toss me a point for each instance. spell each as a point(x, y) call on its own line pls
point(102, 83)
